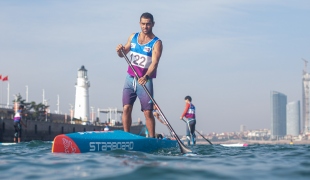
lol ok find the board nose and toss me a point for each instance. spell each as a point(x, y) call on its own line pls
point(64, 144)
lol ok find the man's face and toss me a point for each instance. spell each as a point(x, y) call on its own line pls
point(146, 25)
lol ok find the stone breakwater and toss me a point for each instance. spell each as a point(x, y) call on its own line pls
point(47, 131)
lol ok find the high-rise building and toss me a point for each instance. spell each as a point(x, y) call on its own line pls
point(278, 114)
point(81, 106)
point(242, 128)
point(305, 100)
point(293, 118)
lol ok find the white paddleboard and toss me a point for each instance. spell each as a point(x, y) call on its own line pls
point(189, 154)
point(7, 144)
point(235, 145)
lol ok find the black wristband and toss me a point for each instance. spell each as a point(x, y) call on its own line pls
point(147, 77)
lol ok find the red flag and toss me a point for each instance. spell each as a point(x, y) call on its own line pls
point(6, 78)
point(0, 76)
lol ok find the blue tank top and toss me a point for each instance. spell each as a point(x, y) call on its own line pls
point(141, 56)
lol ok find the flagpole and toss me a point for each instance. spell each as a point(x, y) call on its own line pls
point(8, 99)
point(1, 94)
point(6, 78)
point(58, 104)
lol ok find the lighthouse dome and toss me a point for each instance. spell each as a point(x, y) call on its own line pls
point(82, 68)
point(82, 72)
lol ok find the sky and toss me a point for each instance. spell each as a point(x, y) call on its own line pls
point(227, 55)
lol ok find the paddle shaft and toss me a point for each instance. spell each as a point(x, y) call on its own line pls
point(183, 148)
point(204, 137)
point(198, 133)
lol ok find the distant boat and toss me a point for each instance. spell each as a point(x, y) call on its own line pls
point(235, 145)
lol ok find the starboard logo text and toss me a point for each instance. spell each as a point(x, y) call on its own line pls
point(108, 146)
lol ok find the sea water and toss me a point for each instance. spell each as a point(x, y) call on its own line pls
point(34, 160)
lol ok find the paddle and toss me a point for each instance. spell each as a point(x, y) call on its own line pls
point(183, 148)
point(198, 133)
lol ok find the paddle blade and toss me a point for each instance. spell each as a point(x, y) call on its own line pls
point(184, 149)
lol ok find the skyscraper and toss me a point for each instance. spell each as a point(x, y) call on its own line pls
point(305, 100)
point(293, 118)
point(81, 108)
point(242, 128)
point(278, 114)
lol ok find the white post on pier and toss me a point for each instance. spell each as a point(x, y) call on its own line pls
point(27, 93)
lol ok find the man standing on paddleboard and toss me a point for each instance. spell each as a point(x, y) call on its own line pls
point(145, 50)
point(189, 114)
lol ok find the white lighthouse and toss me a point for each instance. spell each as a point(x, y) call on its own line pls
point(81, 109)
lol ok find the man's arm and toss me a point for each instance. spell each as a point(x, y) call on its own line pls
point(156, 54)
point(158, 118)
point(157, 51)
point(185, 110)
point(125, 48)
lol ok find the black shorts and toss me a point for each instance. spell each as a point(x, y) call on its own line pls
point(18, 129)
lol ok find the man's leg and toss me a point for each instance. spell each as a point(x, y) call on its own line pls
point(192, 125)
point(188, 137)
point(150, 122)
point(16, 132)
point(19, 132)
point(194, 138)
point(129, 97)
point(126, 117)
point(147, 106)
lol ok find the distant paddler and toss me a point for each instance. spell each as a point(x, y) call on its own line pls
point(189, 114)
point(18, 122)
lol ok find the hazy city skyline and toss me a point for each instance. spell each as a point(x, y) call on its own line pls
point(227, 55)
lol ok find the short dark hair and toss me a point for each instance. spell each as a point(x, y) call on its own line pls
point(147, 15)
point(21, 107)
point(188, 98)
